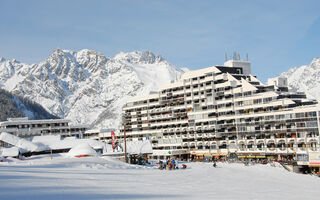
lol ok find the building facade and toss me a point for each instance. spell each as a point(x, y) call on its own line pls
point(99, 134)
point(25, 128)
point(224, 110)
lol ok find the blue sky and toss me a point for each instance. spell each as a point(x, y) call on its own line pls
point(277, 35)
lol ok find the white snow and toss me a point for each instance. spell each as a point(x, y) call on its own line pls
point(10, 152)
point(94, 178)
point(82, 150)
point(23, 108)
point(23, 144)
point(55, 142)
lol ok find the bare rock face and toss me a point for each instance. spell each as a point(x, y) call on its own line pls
point(84, 85)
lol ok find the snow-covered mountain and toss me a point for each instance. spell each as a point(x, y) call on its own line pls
point(305, 78)
point(84, 85)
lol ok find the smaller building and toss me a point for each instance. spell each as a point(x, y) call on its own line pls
point(48, 144)
point(25, 128)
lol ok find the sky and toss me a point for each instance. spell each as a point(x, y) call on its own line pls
point(277, 35)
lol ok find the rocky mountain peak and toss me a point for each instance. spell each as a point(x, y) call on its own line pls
point(315, 63)
point(87, 87)
point(145, 57)
point(305, 78)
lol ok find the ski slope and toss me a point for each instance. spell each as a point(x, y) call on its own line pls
point(40, 177)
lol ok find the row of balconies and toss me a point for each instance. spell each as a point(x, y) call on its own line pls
point(171, 122)
point(212, 135)
point(264, 142)
point(196, 136)
point(188, 129)
point(279, 140)
point(267, 121)
point(35, 129)
point(161, 116)
point(213, 147)
point(187, 136)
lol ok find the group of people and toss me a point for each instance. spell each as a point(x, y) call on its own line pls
point(170, 164)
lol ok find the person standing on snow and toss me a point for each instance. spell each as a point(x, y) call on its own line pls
point(168, 164)
point(173, 164)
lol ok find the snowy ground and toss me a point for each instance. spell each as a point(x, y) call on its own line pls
point(105, 178)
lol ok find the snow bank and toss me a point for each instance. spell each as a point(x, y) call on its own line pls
point(82, 150)
point(96, 178)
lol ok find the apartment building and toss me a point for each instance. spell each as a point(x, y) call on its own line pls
point(224, 110)
point(25, 128)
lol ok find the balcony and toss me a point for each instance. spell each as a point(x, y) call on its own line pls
point(185, 136)
point(192, 144)
point(309, 139)
point(199, 143)
point(242, 141)
point(212, 134)
point(185, 144)
point(205, 135)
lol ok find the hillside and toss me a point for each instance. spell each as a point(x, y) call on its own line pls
point(16, 106)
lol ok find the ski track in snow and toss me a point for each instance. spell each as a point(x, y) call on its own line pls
point(40, 177)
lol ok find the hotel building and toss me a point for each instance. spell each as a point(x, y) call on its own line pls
point(224, 110)
point(25, 128)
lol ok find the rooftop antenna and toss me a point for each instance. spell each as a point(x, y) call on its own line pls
point(225, 56)
point(238, 56)
point(247, 57)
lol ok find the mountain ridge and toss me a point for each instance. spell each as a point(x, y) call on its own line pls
point(305, 78)
point(85, 86)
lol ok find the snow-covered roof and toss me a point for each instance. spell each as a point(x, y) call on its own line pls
point(13, 121)
point(54, 142)
point(10, 152)
point(23, 144)
point(100, 130)
point(42, 143)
